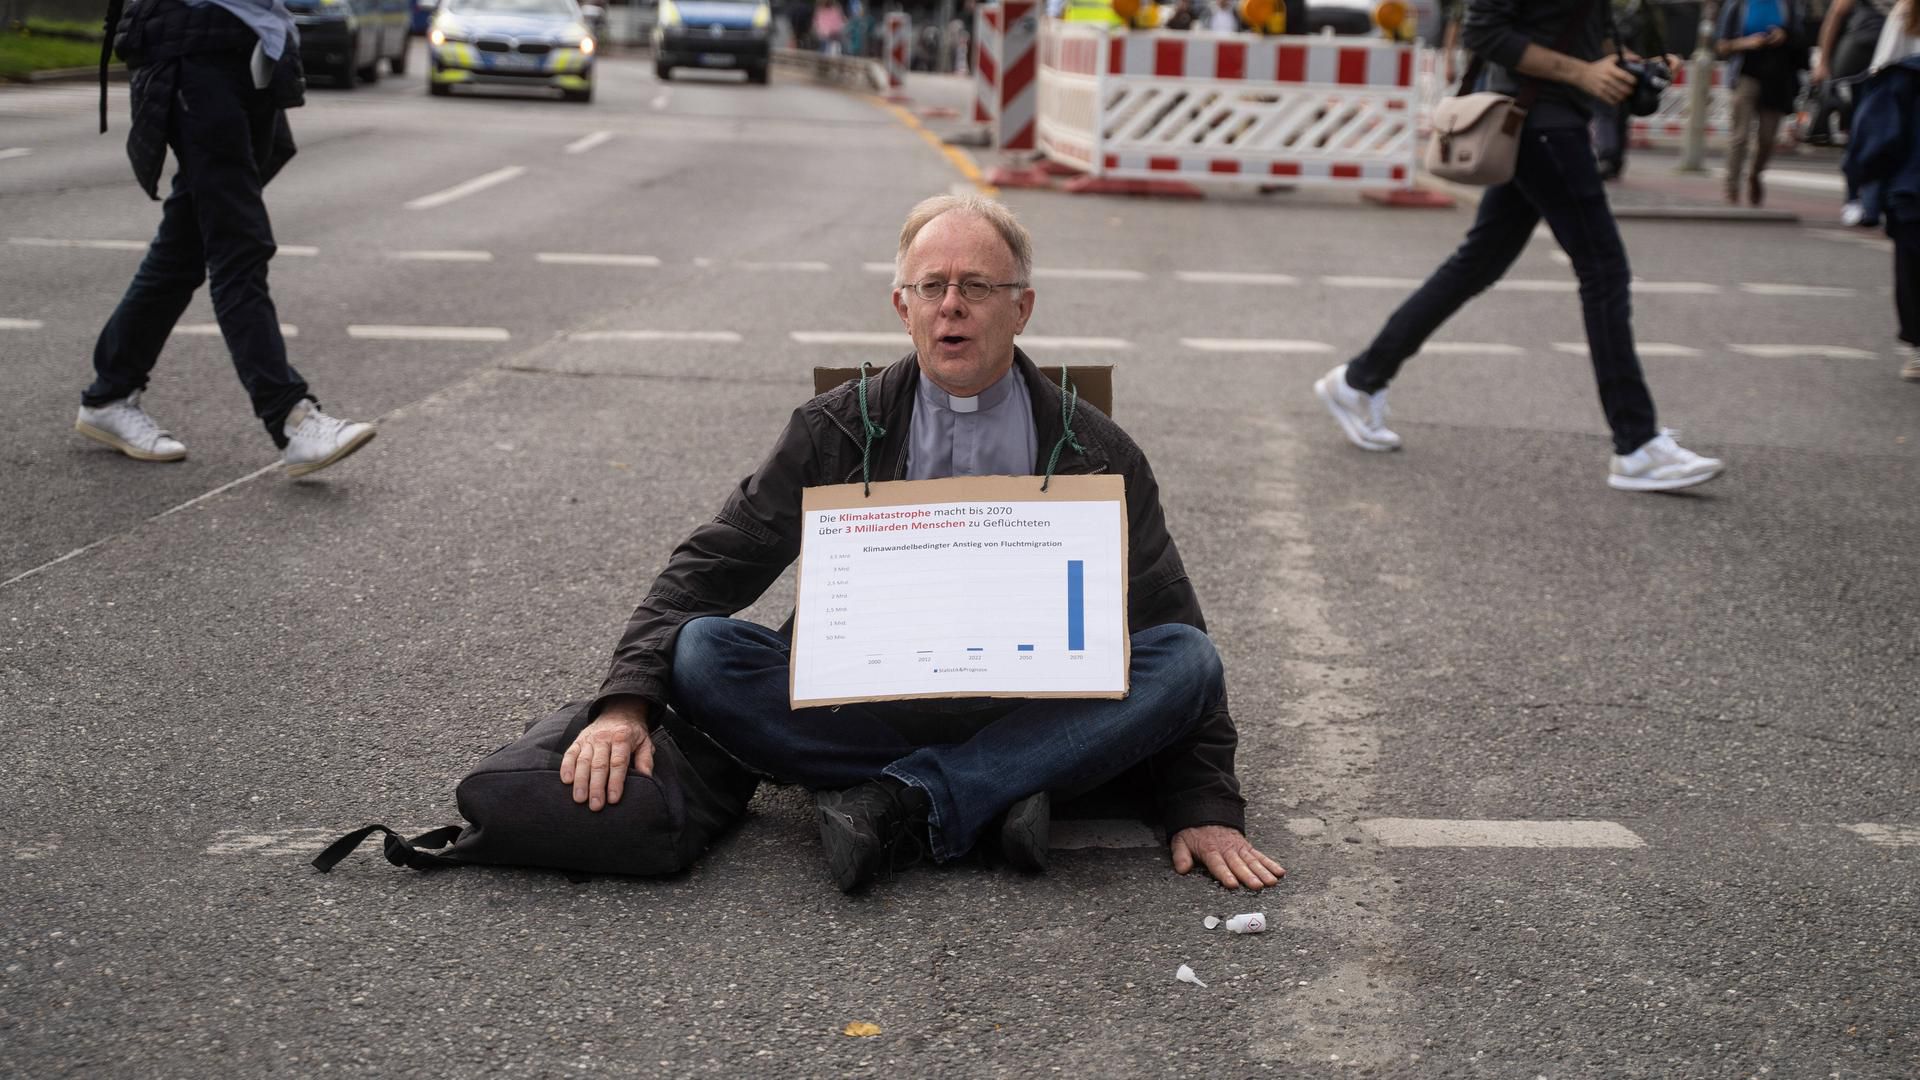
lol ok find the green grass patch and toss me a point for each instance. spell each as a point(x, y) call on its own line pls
point(22, 52)
point(68, 28)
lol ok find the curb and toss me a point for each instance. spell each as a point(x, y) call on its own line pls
point(115, 73)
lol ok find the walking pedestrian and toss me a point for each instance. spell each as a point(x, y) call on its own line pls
point(1555, 178)
point(1848, 37)
point(212, 80)
point(1760, 41)
point(1884, 148)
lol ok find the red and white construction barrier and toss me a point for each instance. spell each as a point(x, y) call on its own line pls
point(986, 62)
point(896, 44)
point(1218, 108)
point(1668, 126)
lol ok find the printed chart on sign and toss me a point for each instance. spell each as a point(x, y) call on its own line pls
point(991, 598)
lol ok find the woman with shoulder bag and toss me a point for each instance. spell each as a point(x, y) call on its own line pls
point(1549, 57)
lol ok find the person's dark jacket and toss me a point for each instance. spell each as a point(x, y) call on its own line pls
point(1884, 145)
point(726, 564)
point(1499, 31)
point(152, 38)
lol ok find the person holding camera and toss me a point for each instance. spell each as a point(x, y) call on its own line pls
point(1761, 42)
point(1636, 26)
point(1558, 45)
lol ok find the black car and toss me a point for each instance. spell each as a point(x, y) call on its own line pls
point(713, 34)
point(341, 40)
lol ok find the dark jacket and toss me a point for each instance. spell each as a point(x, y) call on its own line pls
point(725, 565)
point(1499, 31)
point(1883, 145)
point(152, 38)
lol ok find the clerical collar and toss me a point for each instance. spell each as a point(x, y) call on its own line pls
point(990, 398)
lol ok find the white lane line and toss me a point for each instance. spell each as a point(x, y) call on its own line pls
point(1805, 181)
point(1064, 273)
point(1040, 341)
point(724, 337)
point(1536, 285)
point(1887, 835)
point(441, 256)
point(96, 245)
point(1234, 277)
point(1071, 834)
point(466, 188)
point(1440, 832)
point(588, 142)
point(850, 337)
point(659, 101)
point(1821, 352)
point(1255, 345)
point(14, 152)
point(1644, 348)
point(1763, 288)
point(21, 324)
point(279, 842)
point(428, 333)
point(1345, 282)
point(1676, 288)
point(877, 267)
point(582, 258)
point(213, 329)
point(1471, 348)
point(301, 251)
point(803, 266)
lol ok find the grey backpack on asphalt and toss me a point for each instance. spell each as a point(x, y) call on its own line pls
point(522, 815)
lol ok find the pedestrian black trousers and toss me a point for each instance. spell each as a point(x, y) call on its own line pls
point(1555, 179)
point(1906, 279)
point(213, 228)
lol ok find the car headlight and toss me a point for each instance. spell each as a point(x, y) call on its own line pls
point(669, 14)
point(447, 31)
point(586, 46)
point(762, 15)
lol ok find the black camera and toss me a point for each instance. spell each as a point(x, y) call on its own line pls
point(1650, 79)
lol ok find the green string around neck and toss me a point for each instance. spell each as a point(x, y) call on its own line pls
point(871, 431)
point(1069, 401)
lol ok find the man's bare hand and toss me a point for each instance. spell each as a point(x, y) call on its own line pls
point(1606, 80)
point(1227, 855)
point(596, 763)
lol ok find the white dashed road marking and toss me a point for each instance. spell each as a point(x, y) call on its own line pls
point(1762, 288)
point(849, 337)
point(877, 267)
point(1255, 345)
point(1075, 274)
point(581, 258)
point(805, 266)
point(588, 142)
point(466, 188)
point(1805, 181)
point(1041, 341)
point(304, 251)
point(1676, 288)
point(1234, 277)
point(1644, 348)
point(429, 333)
point(14, 152)
point(1471, 348)
point(1823, 352)
point(1441, 832)
point(96, 245)
point(21, 324)
point(441, 256)
point(280, 842)
point(1344, 282)
point(1532, 285)
point(725, 337)
point(208, 329)
point(1887, 835)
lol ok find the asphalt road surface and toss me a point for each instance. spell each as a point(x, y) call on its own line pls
point(1570, 782)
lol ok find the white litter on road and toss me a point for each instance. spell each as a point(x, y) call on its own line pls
point(1186, 975)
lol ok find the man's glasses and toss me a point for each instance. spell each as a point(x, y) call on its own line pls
point(974, 292)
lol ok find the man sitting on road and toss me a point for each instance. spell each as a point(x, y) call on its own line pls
point(895, 779)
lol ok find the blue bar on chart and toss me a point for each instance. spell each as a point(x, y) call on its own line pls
point(1076, 605)
point(1024, 648)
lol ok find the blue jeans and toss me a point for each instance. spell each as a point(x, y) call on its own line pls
point(972, 757)
point(213, 225)
point(1555, 179)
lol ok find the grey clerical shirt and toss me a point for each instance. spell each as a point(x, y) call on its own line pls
point(990, 434)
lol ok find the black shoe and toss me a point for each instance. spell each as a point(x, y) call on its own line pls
point(872, 829)
point(1024, 833)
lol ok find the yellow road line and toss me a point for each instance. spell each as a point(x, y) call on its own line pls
point(959, 158)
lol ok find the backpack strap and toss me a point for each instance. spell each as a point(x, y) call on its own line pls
point(400, 851)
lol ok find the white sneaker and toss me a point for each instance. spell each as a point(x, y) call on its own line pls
point(316, 440)
point(1662, 465)
point(1362, 416)
point(126, 427)
point(1910, 370)
point(1852, 214)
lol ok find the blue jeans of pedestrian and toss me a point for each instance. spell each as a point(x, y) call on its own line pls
point(1556, 179)
point(213, 228)
point(972, 757)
